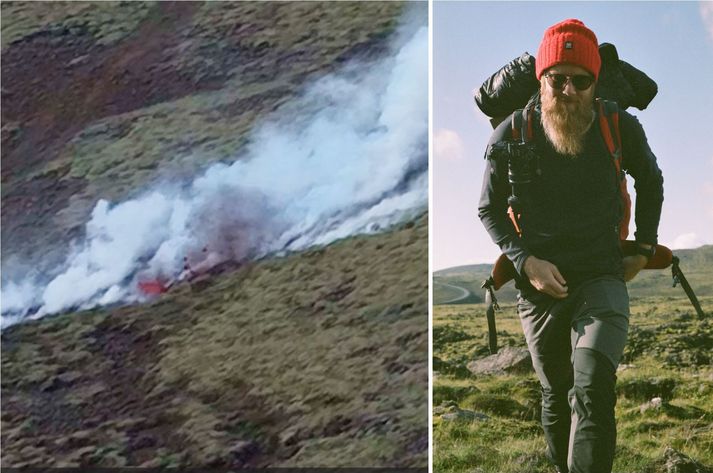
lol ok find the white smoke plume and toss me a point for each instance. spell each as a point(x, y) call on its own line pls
point(349, 156)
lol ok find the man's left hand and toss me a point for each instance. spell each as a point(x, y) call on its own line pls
point(632, 266)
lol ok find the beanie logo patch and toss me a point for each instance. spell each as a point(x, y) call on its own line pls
point(568, 45)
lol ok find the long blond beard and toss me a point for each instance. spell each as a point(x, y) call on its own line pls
point(565, 126)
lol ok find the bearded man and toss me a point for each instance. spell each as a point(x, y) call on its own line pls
point(573, 302)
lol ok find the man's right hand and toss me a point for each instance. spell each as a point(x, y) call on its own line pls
point(545, 277)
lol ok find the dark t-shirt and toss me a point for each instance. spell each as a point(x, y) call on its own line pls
point(572, 208)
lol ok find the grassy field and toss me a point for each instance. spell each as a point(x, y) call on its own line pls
point(668, 355)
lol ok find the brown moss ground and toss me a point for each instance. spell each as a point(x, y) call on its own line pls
point(100, 99)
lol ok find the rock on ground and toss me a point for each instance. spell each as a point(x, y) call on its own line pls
point(508, 360)
point(676, 462)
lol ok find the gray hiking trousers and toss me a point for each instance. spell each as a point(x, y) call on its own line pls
point(576, 344)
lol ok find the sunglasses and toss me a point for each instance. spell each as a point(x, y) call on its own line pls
point(559, 81)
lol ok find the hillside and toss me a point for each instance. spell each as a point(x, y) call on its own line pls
point(299, 357)
point(316, 359)
point(100, 99)
point(696, 264)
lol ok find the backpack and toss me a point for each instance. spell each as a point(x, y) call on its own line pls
point(514, 86)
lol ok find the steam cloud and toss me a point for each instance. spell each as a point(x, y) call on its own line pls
point(349, 157)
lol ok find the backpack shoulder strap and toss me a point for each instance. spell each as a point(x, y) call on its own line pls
point(521, 125)
point(609, 125)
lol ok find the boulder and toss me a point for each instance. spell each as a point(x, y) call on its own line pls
point(654, 404)
point(674, 461)
point(507, 360)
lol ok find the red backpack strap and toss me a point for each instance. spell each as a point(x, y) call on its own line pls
point(609, 125)
point(521, 125)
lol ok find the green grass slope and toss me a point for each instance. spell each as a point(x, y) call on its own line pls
point(315, 359)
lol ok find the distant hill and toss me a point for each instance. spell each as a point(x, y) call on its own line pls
point(696, 264)
point(464, 270)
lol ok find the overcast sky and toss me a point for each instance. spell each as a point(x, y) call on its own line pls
point(672, 42)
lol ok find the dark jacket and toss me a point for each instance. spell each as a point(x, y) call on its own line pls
point(573, 206)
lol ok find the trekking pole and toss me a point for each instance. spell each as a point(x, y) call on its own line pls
point(679, 278)
point(492, 304)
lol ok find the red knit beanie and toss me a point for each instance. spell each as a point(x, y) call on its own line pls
point(568, 42)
